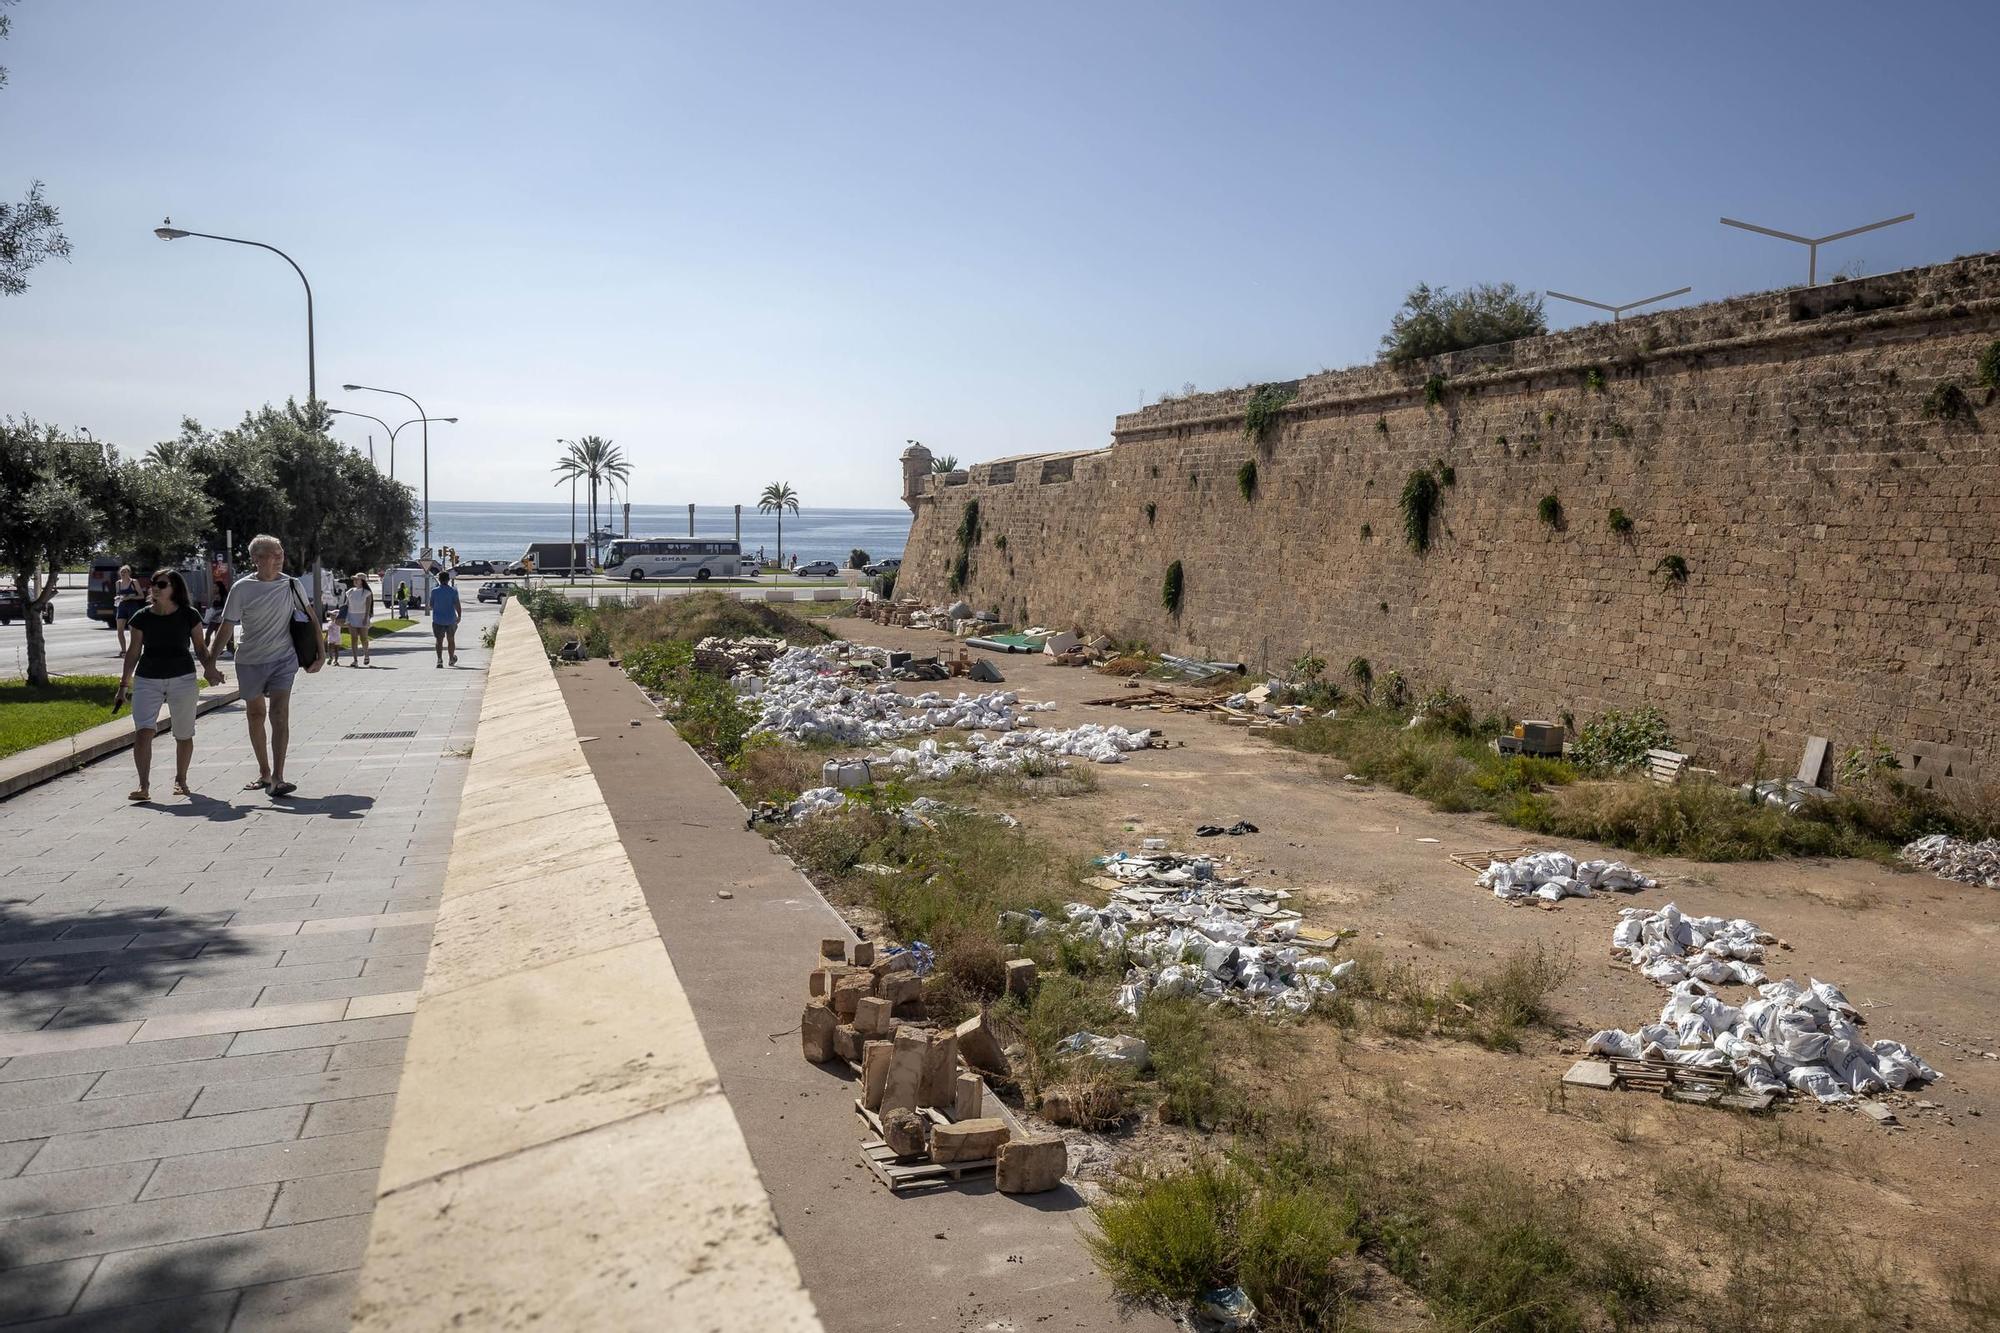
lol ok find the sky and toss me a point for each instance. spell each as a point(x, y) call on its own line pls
point(772, 242)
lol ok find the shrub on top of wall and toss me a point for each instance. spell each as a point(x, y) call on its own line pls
point(1246, 479)
point(1267, 403)
point(1419, 501)
point(1170, 589)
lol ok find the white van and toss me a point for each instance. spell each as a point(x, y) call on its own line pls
point(419, 580)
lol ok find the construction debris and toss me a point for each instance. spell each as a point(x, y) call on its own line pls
point(1955, 858)
point(1017, 750)
point(1669, 947)
point(1553, 876)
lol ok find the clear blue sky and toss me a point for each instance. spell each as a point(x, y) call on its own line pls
point(761, 241)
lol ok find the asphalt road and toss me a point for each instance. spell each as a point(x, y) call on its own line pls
point(76, 646)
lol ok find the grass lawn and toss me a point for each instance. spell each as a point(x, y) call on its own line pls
point(31, 716)
point(391, 625)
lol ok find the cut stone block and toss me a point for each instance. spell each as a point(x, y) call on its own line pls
point(875, 1072)
point(847, 1042)
point(864, 954)
point(818, 985)
point(894, 963)
point(940, 1081)
point(968, 1140)
point(980, 1047)
point(970, 1101)
point(873, 1016)
point(905, 1131)
point(816, 1030)
point(1021, 977)
point(848, 993)
point(902, 990)
point(1031, 1166)
point(834, 949)
point(905, 1078)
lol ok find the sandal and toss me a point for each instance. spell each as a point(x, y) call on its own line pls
point(282, 789)
point(181, 788)
point(257, 784)
point(139, 797)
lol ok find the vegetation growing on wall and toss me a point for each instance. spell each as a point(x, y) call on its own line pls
point(1419, 502)
point(1673, 568)
point(1593, 379)
point(968, 536)
point(1151, 510)
point(1989, 366)
point(1381, 425)
point(1434, 390)
point(1246, 479)
point(1550, 510)
point(1367, 531)
point(1434, 321)
point(1947, 402)
point(1446, 473)
point(1266, 404)
point(1620, 521)
point(1170, 589)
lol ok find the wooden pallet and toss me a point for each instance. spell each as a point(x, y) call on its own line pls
point(901, 1174)
point(1477, 861)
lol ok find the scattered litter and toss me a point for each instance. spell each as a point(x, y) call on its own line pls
point(1236, 830)
point(1227, 1307)
point(1955, 858)
point(1017, 750)
point(1669, 947)
point(1125, 1052)
point(1553, 876)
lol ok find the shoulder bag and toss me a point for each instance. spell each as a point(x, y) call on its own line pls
point(307, 641)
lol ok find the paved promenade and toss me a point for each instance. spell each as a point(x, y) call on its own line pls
point(203, 1006)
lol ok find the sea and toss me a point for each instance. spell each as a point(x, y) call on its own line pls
point(482, 530)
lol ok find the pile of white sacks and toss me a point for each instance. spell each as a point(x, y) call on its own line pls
point(1806, 1039)
point(806, 696)
point(1553, 876)
point(1188, 933)
point(1012, 751)
point(1954, 858)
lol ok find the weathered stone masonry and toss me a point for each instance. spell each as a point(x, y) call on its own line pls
point(1842, 541)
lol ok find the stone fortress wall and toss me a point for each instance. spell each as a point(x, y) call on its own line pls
point(1823, 460)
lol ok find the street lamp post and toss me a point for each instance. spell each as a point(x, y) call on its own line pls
point(1813, 243)
point(173, 233)
point(393, 432)
point(425, 419)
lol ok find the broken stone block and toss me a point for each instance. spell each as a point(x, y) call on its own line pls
point(1031, 1166)
point(819, 984)
point(1086, 1105)
point(847, 1041)
point(1021, 977)
point(874, 1072)
point(894, 963)
point(905, 1131)
point(816, 1033)
point(970, 1100)
point(864, 954)
point(968, 1140)
point(905, 1078)
point(980, 1047)
point(872, 1016)
point(848, 993)
point(903, 991)
point(834, 949)
point(940, 1081)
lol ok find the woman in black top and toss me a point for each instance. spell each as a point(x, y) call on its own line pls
point(166, 636)
point(128, 599)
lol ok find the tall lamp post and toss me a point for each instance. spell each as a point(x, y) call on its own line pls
point(425, 419)
point(1813, 243)
point(393, 431)
point(169, 232)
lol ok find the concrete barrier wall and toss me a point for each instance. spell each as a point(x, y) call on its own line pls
point(561, 1156)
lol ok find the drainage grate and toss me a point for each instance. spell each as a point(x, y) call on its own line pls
point(378, 735)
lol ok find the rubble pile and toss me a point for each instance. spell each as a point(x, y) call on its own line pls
point(1804, 1038)
point(1188, 931)
point(812, 694)
point(736, 656)
point(1955, 858)
point(1669, 947)
point(1553, 876)
point(1016, 750)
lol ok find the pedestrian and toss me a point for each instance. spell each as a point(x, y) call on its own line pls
point(360, 620)
point(166, 637)
point(330, 626)
point(219, 638)
point(444, 618)
point(128, 599)
point(266, 605)
point(402, 601)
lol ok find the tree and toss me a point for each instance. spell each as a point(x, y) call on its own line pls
point(159, 513)
point(238, 473)
point(776, 499)
point(858, 559)
point(594, 460)
point(944, 463)
point(30, 231)
point(1435, 321)
point(58, 492)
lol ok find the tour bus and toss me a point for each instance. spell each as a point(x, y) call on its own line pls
point(699, 558)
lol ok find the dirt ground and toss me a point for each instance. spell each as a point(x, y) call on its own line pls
point(1915, 953)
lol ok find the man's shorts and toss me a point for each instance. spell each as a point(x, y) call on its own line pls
point(257, 680)
point(178, 693)
point(438, 631)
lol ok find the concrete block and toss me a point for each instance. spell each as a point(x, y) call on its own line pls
point(980, 1047)
point(905, 1079)
point(968, 1140)
point(940, 1081)
point(848, 993)
point(834, 949)
point(847, 1042)
point(1031, 1165)
point(864, 953)
point(818, 985)
point(875, 1072)
point(1589, 1074)
point(970, 1099)
point(1021, 977)
point(873, 1016)
point(816, 1029)
point(903, 991)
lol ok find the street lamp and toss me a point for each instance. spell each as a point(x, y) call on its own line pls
point(1813, 243)
point(425, 420)
point(1617, 310)
point(169, 232)
point(393, 431)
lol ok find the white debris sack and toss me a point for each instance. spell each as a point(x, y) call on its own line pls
point(815, 694)
point(1670, 948)
point(1017, 750)
point(1954, 858)
point(814, 802)
point(1553, 876)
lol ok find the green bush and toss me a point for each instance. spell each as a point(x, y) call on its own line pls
point(1434, 390)
point(1989, 366)
point(1550, 510)
point(1947, 402)
point(1171, 588)
point(1246, 479)
point(1265, 408)
point(1166, 1239)
point(859, 559)
point(1419, 501)
point(1151, 510)
point(1620, 522)
point(1616, 740)
point(1672, 568)
point(1434, 321)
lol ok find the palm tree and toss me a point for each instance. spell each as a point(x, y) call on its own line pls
point(944, 463)
point(169, 453)
point(776, 499)
point(596, 461)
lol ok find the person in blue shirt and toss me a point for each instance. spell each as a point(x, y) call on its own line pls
point(444, 618)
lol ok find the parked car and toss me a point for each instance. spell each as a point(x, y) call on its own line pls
point(749, 568)
point(817, 569)
point(881, 567)
point(11, 609)
point(474, 568)
point(499, 590)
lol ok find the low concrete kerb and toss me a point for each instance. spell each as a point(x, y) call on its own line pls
point(31, 768)
point(561, 1154)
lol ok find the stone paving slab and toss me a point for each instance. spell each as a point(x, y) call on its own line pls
point(204, 1008)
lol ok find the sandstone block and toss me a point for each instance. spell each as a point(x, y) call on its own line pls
point(980, 1047)
point(864, 954)
point(940, 1080)
point(848, 993)
point(819, 986)
point(902, 990)
point(894, 963)
point(875, 1072)
point(1031, 1166)
point(905, 1131)
point(905, 1079)
point(872, 1016)
point(1021, 977)
point(816, 1030)
point(847, 1040)
point(970, 1100)
point(834, 949)
point(968, 1140)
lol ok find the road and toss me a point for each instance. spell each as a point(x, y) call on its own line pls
point(76, 646)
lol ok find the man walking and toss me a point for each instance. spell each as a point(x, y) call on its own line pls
point(266, 663)
point(444, 618)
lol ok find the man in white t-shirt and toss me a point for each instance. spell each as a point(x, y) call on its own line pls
point(263, 608)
